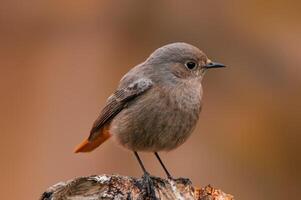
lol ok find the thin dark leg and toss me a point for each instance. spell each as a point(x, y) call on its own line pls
point(147, 179)
point(140, 163)
point(165, 169)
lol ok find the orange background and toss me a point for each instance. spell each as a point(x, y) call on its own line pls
point(60, 60)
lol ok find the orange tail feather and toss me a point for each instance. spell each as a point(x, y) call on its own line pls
point(87, 146)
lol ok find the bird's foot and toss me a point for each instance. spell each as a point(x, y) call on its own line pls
point(170, 177)
point(150, 188)
point(180, 180)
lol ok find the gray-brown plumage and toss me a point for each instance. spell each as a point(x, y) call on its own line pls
point(156, 105)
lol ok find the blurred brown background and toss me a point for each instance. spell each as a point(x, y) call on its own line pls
point(60, 60)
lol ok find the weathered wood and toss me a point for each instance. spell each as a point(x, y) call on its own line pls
point(115, 187)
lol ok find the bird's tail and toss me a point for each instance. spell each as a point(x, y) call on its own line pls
point(87, 146)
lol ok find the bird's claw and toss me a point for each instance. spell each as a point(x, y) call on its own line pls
point(150, 188)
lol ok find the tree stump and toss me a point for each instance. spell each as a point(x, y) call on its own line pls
point(116, 187)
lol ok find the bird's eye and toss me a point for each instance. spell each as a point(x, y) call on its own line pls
point(191, 65)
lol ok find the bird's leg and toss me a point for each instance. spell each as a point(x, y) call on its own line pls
point(165, 169)
point(147, 180)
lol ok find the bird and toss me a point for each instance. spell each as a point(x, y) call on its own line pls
point(156, 105)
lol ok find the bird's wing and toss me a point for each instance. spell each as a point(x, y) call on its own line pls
point(117, 101)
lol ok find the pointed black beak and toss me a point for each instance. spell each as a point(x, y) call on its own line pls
point(213, 65)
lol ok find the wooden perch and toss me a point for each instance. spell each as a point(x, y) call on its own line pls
point(122, 187)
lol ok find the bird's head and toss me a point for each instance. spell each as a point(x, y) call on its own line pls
point(182, 60)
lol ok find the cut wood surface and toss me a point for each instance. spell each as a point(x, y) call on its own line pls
point(117, 187)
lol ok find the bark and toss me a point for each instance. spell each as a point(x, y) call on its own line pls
point(115, 187)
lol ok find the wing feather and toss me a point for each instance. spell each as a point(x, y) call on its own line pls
point(116, 102)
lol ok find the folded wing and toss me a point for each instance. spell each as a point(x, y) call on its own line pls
point(116, 102)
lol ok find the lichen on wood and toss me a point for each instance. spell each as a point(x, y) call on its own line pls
point(116, 187)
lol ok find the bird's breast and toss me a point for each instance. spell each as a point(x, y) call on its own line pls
point(161, 119)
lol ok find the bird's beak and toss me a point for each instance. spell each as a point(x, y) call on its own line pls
point(211, 64)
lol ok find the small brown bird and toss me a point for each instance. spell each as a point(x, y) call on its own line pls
point(156, 105)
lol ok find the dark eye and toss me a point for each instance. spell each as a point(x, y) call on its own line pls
point(191, 65)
